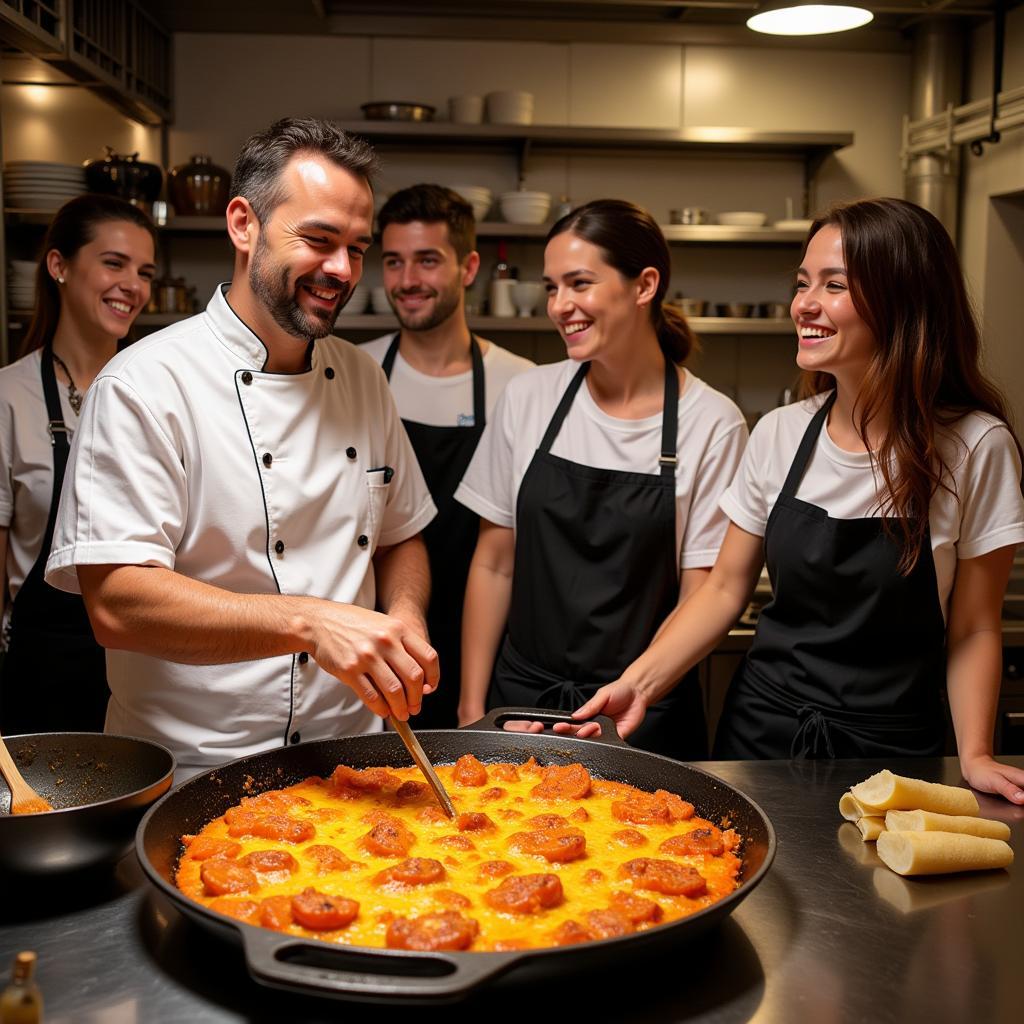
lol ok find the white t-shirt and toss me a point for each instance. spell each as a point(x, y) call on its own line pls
point(26, 463)
point(711, 436)
point(190, 457)
point(446, 401)
point(986, 475)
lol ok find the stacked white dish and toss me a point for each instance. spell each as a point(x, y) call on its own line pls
point(21, 278)
point(511, 106)
point(478, 197)
point(792, 224)
point(357, 301)
point(525, 207)
point(743, 218)
point(41, 185)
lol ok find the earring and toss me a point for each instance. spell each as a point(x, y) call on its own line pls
point(60, 280)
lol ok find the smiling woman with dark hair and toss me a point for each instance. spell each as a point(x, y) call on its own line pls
point(92, 281)
point(887, 505)
point(597, 482)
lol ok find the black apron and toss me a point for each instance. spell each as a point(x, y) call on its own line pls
point(849, 658)
point(443, 454)
point(596, 573)
point(54, 676)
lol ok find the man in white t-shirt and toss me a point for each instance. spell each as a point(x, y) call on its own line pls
point(445, 382)
point(241, 493)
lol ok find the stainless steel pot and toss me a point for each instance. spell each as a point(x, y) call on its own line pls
point(356, 972)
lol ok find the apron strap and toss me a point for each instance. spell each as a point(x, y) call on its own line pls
point(563, 409)
point(58, 431)
point(669, 417)
point(670, 422)
point(479, 386)
point(807, 443)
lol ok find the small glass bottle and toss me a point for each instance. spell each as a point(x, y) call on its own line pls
point(22, 1002)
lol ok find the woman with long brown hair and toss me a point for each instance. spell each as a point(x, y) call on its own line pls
point(887, 504)
point(597, 481)
point(92, 281)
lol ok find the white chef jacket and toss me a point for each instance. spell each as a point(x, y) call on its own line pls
point(190, 457)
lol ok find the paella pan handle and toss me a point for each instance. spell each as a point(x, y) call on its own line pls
point(284, 962)
point(494, 720)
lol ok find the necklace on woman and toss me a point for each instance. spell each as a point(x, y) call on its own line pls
point(74, 398)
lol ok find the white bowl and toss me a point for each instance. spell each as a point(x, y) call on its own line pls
point(478, 197)
point(794, 225)
point(525, 207)
point(743, 219)
point(511, 106)
point(527, 295)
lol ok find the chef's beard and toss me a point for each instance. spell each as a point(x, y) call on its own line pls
point(269, 283)
point(447, 302)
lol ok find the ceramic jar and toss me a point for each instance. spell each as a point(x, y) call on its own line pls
point(199, 188)
point(125, 176)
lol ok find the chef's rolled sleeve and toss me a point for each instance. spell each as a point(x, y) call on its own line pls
point(125, 498)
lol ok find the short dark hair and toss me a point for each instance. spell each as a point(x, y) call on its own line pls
point(257, 176)
point(433, 204)
point(73, 226)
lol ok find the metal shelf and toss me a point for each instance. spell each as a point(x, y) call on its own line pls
point(705, 325)
point(563, 137)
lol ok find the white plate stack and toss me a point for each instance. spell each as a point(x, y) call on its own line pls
point(40, 185)
point(21, 276)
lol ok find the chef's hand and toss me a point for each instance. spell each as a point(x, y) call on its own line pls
point(385, 661)
point(620, 701)
point(412, 615)
point(987, 775)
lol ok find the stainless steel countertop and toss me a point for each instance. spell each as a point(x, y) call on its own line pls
point(830, 935)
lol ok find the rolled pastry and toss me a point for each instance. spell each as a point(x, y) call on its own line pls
point(929, 821)
point(934, 853)
point(853, 810)
point(896, 792)
point(871, 827)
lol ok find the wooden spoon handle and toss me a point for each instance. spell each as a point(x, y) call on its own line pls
point(24, 799)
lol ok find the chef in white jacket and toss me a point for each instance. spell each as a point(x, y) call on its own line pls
point(241, 494)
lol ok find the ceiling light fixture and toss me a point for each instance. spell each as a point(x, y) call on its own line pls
point(787, 18)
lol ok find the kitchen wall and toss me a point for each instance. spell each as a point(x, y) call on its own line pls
point(992, 218)
point(68, 125)
point(228, 86)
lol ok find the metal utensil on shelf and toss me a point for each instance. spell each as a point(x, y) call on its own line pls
point(408, 737)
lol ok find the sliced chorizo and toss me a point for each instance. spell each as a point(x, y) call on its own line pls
point(664, 876)
point(276, 912)
point(414, 871)
point(327, 858)
point(204, 847)
point(463, 843)
point(241, 910)
point(221, 876)
point(526, 894)
point(659, 808)
point(570, 933)
point(278, 827)
point(563, 782)
point(547, 821)
point(696, 842)
point(469, 771)
point(473, 821)
point(558, 845)
point(445, 931)
point(629, 837)
point(345, 780)
point(320, 912)
point(607, 924)
point(635, 908)
point(494, 793)
point(505, 772)
point(495, 869)
point(389, 838)
point(412, 792)
point(270, 862)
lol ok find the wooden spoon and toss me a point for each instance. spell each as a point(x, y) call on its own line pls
point(24, 799)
